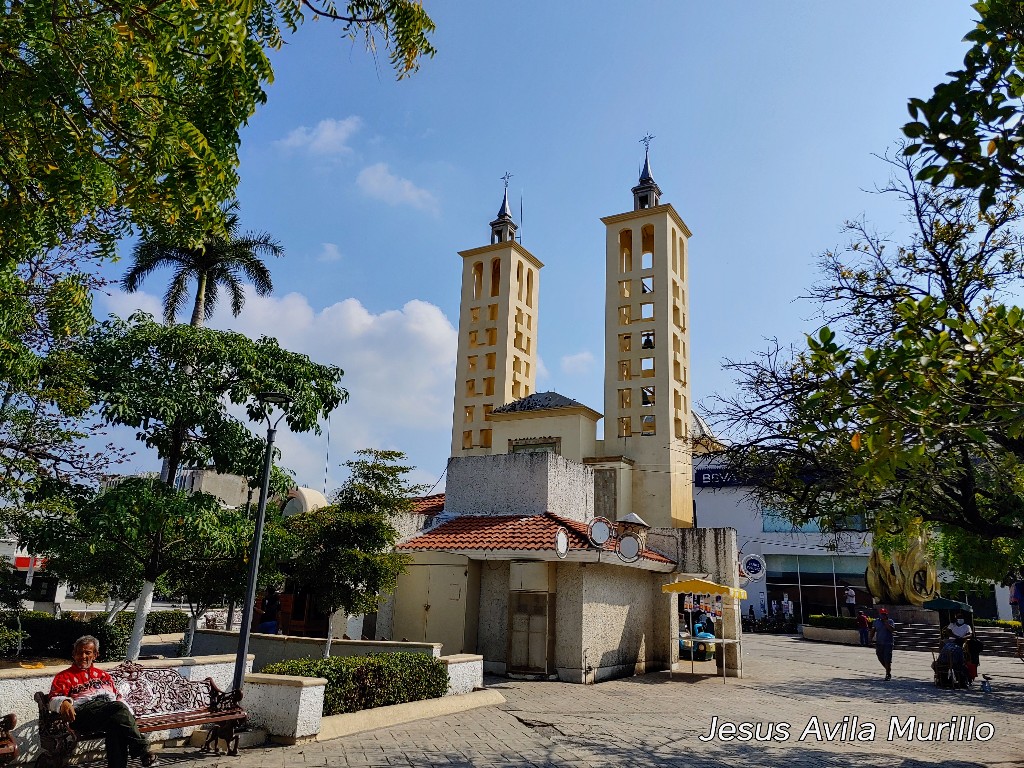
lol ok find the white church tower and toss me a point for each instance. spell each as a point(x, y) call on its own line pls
point(647, 354)
point(497, 357)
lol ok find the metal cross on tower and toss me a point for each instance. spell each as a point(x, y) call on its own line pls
point(646, 141)
point(505, 178)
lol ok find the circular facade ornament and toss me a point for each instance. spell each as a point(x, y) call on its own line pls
point(630, 547)
point(754, 566)
point(561, 542)
point(599, 531)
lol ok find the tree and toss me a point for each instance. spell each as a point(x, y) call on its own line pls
point(217, 262)
point(139, 529)
point(970, 129)
point(128, 114)
point(904, 408)
point(352, 542)
point(174, 385)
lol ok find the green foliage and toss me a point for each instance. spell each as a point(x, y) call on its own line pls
point(903, 410)
point(174, 385)
point(378, 680)
point(166, 622)
point(1011, 626)
point(825, 621)
point(970, 130)
point(354, 540)
point(10, 640)
point(221, 260)
point(50, 637)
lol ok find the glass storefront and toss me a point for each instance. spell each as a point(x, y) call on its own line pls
point(811, 583)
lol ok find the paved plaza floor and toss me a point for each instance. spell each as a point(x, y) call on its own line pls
point(658, 720)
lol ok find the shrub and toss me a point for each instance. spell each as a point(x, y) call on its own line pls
point(47, 636)
point(9, 640)
point(166, 622)
point(832, 622)
point(377, 680)
point(1012, 626)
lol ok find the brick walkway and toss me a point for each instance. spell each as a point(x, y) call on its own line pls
point(655, 721)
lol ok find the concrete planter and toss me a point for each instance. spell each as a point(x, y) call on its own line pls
point(822, 635)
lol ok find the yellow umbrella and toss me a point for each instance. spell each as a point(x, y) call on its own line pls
point(703, 587)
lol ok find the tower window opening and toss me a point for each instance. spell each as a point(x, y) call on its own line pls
point(485, 438)
point(478, 279)
point(468, 414)
point(682, 259)
point(647, 311)
point(529, 287)
point(474, 315)
point(474, 338)
point(647, 285)
point(645, 201)
point(526, 390)
point(625, 370)
point(625, 427)
point(626, 251)
point(487, 412)
point(526, 370)
point(647, 247)
point(677, 316)
point(647, 426)
point(516, 391)
point(676, 294)
point(471, 362)
point(529, 322)
point(517, 364)
point(495, 276)
point(470, 387)
point(647, 260)
point(647, 340)
point(625, 342)
point(679, 429)
point(492, 312)
point(677, 398)
point(489, 386)
point(675, 253)
point(491, 359)
point(492, 336)
point(519, 280)
point(519, 340)
point(467, 440)
point(625, 314)
point(647, 367)
point(647, 396)
point(519, 317)
point(677, 371)
point(625, 399)
point(624, 288)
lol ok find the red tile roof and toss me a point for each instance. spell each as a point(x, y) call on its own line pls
point(533, 533)
point(428, 505)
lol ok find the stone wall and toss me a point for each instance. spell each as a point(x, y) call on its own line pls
point(492, 633)
point(519, 485)
point(289, 708)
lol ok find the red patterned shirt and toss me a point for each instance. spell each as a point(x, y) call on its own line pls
point(81, 685)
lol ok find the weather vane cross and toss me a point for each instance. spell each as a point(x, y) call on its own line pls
point(646, 141)
point(505, 178)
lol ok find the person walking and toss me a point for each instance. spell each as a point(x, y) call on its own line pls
point(883, 631)
point(863, 623)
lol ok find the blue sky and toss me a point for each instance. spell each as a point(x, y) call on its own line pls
point(766, 118)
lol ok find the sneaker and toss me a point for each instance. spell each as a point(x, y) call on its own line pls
point(887, 677)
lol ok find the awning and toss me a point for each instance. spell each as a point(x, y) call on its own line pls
point(945, 604)
point(24, 563)
point(704, 587)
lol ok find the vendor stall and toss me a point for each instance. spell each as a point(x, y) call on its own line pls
point(702, 588)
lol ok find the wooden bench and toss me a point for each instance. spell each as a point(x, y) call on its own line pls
point(161, 699)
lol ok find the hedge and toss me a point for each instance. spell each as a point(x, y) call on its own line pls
point(832, 622)
point(376, 680)
point(165, 622)
point(1012, 626)
point(47, 636)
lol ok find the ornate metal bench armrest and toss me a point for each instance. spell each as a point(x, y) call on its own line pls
point(221, 701)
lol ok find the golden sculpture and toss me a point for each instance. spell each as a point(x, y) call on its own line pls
point(903, 578)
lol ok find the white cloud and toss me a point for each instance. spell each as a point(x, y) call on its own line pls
point(580, 364)
point(329, 137)
point(378, 182)
point(328, 252)
point(399, 371)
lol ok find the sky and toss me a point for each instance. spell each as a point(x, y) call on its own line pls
point(767, 119)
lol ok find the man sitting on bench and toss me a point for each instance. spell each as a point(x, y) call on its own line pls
point(87, 698)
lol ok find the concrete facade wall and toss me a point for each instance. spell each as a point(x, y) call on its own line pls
point(465, 673)
point(569, 596)
point(577, 430)
point(287, 707)
point(519, 485)
point(492, 633)
point(268, 649)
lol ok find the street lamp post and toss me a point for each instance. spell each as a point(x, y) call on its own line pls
point(269, 398)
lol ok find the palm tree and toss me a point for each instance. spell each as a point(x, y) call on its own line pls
point(220, 262)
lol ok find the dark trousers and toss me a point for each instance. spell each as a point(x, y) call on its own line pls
point(117, 723)
point(863, 636)
point(851, 608)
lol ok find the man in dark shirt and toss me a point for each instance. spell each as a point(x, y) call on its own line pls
point(882, 633)
point(270, 611)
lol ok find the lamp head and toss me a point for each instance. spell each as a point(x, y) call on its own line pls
point(273, 398)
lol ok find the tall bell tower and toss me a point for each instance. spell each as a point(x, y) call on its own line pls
point(647, 353)
point(497, 357)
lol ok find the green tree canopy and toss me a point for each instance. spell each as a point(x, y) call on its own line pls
point(970, 130)
point(904, 407)
point(176, 384)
